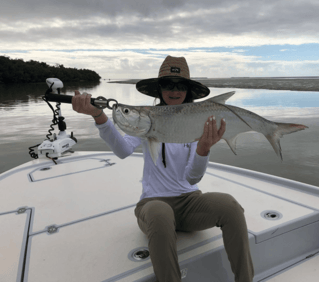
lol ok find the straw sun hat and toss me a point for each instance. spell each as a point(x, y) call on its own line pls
point(172, 67)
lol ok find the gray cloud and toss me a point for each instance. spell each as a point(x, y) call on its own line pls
point(134, 21)
point(75, 9)
point(36, 25)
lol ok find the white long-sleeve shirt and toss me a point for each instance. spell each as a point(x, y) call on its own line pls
point(184, 167)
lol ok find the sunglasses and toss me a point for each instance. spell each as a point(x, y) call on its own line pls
point(167, 84)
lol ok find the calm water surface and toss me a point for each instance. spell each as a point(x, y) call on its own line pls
point(25, 120)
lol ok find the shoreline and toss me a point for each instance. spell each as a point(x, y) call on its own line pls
point(293, 84)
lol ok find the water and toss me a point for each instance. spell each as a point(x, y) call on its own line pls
point(25, 120)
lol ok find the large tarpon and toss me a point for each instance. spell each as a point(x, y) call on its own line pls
point(184, 123)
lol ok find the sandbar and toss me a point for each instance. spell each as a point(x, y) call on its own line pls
point(293, 84)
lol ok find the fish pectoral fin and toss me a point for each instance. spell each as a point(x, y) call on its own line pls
point(232, 143)
point(154, 148)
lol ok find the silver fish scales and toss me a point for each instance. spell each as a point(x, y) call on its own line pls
point(184, 123)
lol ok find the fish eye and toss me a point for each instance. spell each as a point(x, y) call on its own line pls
point(126, 111)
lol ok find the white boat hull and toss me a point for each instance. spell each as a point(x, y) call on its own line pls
point(75, 221)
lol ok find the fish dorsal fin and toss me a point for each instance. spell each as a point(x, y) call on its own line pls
point(222, 97)
point(154, 147)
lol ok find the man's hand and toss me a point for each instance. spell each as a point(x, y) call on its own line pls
point(210, 136)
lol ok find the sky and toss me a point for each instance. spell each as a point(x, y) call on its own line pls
point(123, 39)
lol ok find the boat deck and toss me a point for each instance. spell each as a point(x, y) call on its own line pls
point(75, 221)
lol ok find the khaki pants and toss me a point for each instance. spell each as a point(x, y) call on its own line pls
point(160, 217)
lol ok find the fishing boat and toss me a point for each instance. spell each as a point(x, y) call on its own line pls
point(73, 220)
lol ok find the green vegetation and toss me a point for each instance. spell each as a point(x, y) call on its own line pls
point(18, 71)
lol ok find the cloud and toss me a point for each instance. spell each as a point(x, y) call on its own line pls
point(239, 51)
point(130, 38)
point(125, 64)
point(153, 23)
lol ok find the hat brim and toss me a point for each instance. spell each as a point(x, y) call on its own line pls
point(150, 87)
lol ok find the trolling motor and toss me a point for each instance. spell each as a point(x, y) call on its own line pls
point(63, 142)
point(54, 148)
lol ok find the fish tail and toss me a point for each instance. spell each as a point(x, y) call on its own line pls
point(281, 130)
